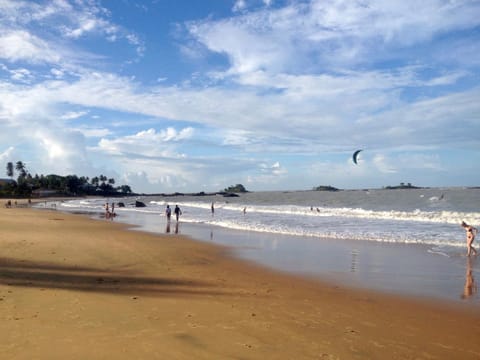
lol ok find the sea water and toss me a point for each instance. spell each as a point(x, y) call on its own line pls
point(355, 234)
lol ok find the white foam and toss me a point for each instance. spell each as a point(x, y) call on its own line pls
point(433, 228)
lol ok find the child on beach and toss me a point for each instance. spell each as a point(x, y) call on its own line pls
point(471, 233)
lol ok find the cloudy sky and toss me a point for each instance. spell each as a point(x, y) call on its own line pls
point(191, 95)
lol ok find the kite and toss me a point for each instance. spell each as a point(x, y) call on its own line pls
point(355, 155)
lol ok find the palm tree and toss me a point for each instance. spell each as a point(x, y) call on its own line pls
point(95, 181)
point(21, 168)
point(10, 169)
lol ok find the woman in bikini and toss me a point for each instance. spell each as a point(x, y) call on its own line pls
point(471, 233)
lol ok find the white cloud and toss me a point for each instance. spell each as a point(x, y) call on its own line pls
point(20, 20)
point(441, 121)
point(239, 5)
point(419, 161)
point(21, 45)
point(236, 137)
point(7, 155)
point(70, 19)
point(85, 26)
point(333, 32)
point(57, 73)
point(314, 107)
point(93, 132)
point(43, 146)
point(275, 169)
point(160, 174)
point(383, 164)
point(19, 74)
point(73, 115)
point(146, 143)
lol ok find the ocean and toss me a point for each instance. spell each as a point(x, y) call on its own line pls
point(404, 240)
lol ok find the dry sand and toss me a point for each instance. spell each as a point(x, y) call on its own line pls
point(76, 288)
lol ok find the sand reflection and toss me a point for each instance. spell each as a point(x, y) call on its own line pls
point(353, 266)
point(470, 287)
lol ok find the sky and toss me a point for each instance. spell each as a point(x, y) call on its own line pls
point(188, 96)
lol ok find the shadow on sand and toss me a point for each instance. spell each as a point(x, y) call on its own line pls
point(24, 273)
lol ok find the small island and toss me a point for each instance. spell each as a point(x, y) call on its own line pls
point(402, 186)
point(239, 188)
point(232, 191)
point(325, 188)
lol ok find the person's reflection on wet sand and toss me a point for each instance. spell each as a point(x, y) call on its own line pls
point(353, 267)
point(176, 228)
point(167, 229)
point(470, 286)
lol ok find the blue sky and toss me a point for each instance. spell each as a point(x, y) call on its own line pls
point(276, 95)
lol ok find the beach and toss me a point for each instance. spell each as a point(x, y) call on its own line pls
point(405, 242)
point(76, 288)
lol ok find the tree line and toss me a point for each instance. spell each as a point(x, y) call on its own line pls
point(28, 185)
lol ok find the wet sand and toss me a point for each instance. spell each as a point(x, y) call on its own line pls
point(77, 288)
point(404, 269)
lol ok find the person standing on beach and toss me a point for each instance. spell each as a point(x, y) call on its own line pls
point(107, 210)
point(177, 212)
point(471, 233)
point(168, 213)
point(213, 209)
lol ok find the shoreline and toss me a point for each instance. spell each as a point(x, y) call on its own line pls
point(94, 289)
point(411, 270)
point(400, 269)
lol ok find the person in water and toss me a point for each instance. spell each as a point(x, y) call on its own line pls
point(471, 233)
point(177, 212)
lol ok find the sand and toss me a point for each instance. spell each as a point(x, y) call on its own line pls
point(76, 288)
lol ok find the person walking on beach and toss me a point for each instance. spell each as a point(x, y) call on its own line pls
point(471, 233)
point(177, 212)
point(168, 213)
point(213, 209)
